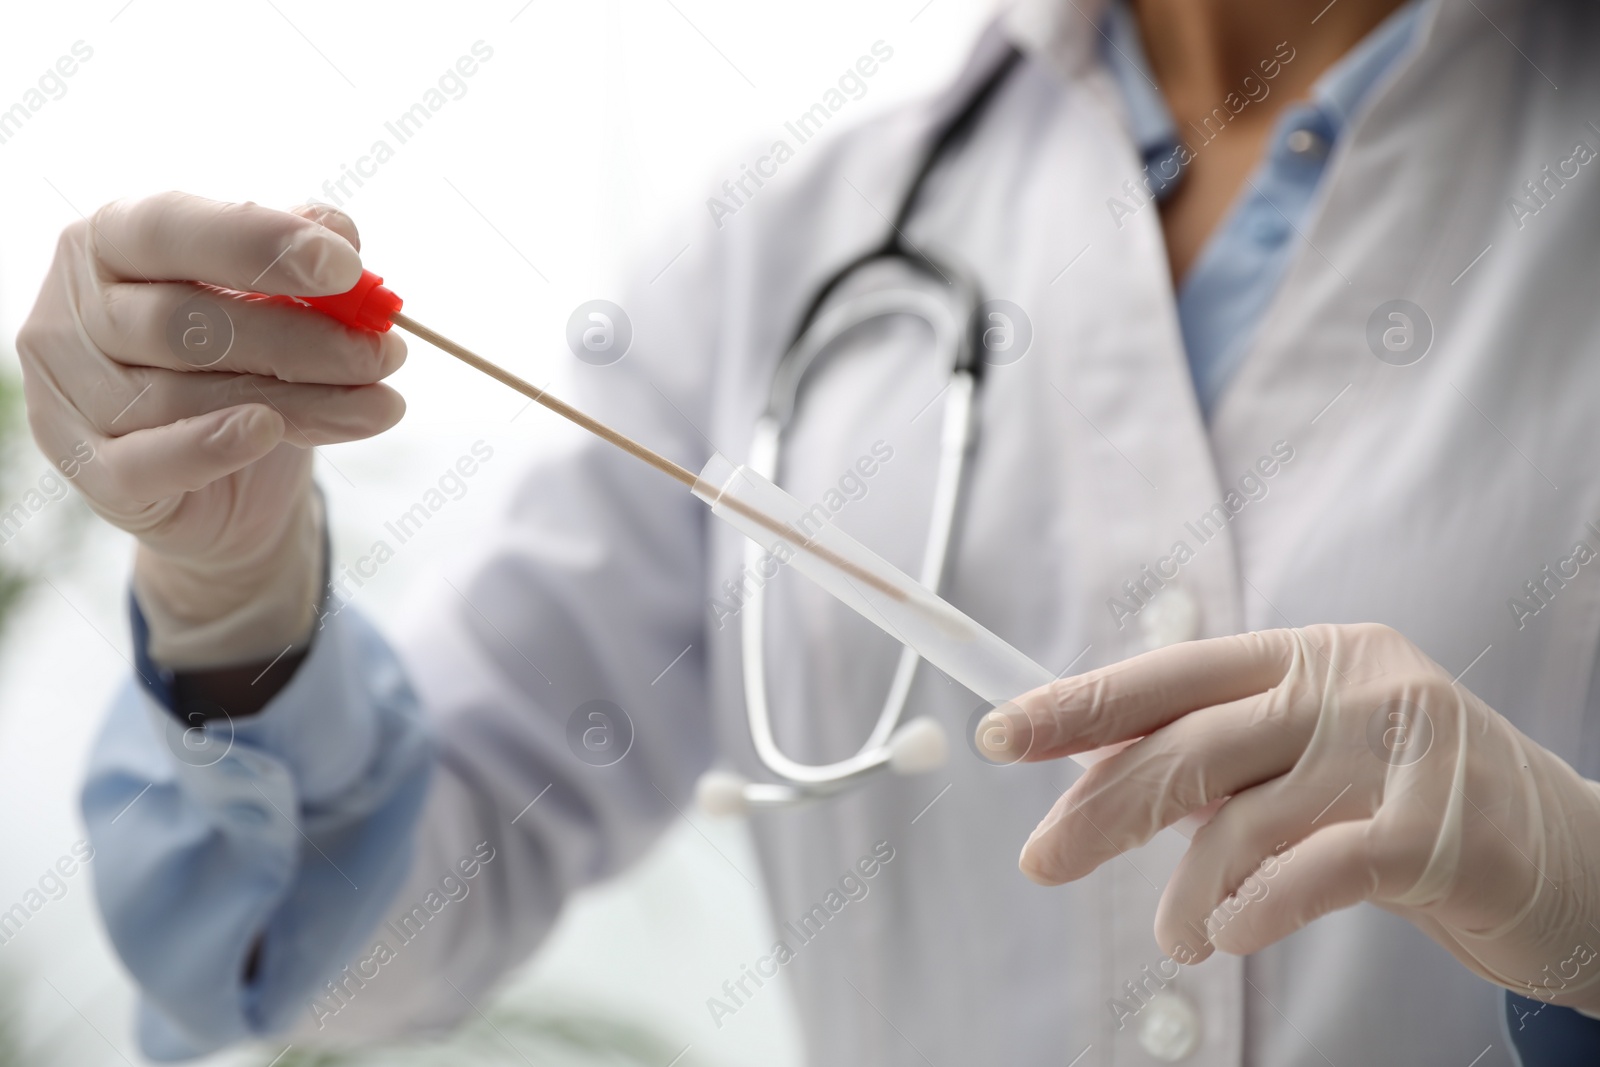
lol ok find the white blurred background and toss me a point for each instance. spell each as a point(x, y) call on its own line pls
point(593, 127)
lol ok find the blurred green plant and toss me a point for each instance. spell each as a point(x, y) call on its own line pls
point(54, 527)
point(13, 1046)
point(21, 464)
point(13, 579)
point(23, 1041)
point(510, 1034)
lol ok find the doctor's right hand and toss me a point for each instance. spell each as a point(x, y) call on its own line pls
point(183, 404)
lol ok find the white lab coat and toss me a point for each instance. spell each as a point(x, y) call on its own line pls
point(1421, 496)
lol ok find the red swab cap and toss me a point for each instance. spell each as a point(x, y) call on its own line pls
point(367, 306)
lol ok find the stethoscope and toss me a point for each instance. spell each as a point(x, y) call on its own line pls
point(959, 338)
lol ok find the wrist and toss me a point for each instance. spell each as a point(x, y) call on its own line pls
point(251, 606)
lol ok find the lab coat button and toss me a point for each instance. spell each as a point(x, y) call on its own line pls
point(1171, 616)
point(1170, 1027)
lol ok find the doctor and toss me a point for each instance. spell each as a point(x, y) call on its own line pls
point(1308, 292)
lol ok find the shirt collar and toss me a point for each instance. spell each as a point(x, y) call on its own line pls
point(1343, 87)
point(1122, 49)
point(1337, 94)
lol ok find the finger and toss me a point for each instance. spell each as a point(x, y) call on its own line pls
point(1126, 799)
point(1235, 858)
point(331, 217)
point(178, 237)
point(1130, 699)
point(185, 327)
point(185, 456)
point(1330, 870)
point(315, 414)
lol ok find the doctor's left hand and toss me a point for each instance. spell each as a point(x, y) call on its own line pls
point(1350, 768)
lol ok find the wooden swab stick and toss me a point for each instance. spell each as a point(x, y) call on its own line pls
point(661, 463)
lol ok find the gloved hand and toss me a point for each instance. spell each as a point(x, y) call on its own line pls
point(1354, 770)
point(197, 401)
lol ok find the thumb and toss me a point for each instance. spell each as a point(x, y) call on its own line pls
point(183, 456)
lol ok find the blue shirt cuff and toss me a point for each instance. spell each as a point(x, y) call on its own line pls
point(1547, 1036)
point(318, 724)
point(290, 829)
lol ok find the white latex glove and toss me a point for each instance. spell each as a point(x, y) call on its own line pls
point(198, 419)
point(1356, 770)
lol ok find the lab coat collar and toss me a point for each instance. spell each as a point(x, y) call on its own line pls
point(1062, 33)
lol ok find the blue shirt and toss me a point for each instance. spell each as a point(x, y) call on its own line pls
point(1229, 285)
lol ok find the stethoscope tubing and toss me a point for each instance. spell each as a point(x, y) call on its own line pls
point(957, 340)
point(956, 439)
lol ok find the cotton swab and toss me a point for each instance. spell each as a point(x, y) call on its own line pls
point(371, 306)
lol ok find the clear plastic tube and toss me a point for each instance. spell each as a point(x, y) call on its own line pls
point(882, 593)
point(868, 583)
